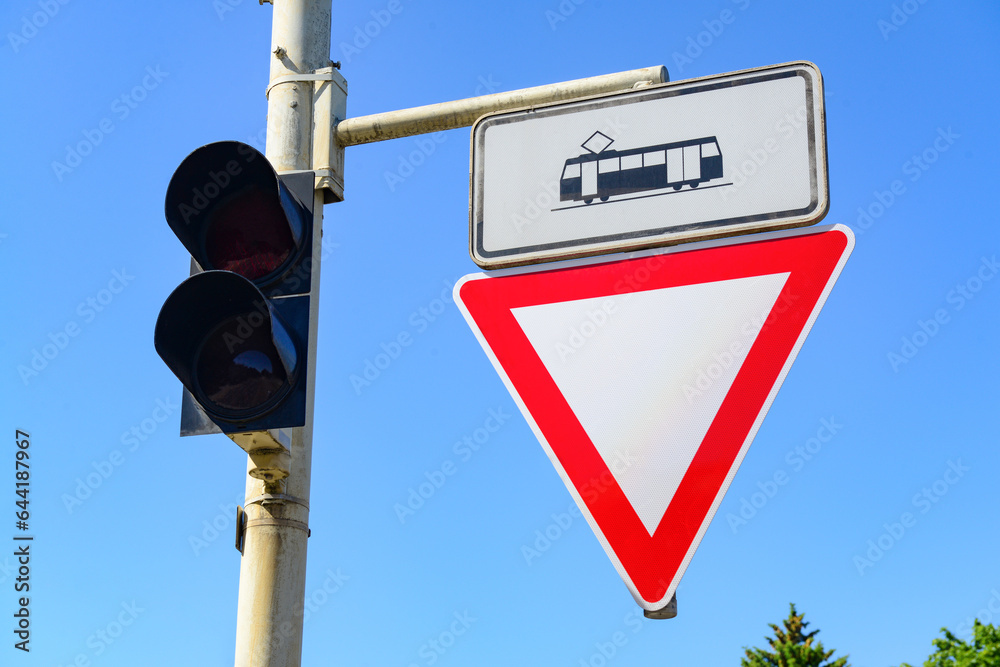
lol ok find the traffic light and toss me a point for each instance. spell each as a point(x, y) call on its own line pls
point(236, 333)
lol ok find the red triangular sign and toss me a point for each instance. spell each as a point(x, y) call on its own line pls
point(646, 378)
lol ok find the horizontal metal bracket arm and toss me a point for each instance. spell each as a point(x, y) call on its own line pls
point(463, 113)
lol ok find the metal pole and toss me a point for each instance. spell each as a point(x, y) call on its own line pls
point(273, 567)
point(462, 113)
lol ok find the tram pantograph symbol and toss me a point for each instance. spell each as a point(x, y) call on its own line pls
point(743, 152)
point(604, 173)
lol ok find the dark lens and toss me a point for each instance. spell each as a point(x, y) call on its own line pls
point(238, 368)
point(248, 235)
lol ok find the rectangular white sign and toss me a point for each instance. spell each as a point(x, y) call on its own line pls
point(717, 156)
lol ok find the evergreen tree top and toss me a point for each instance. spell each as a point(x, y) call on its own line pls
point(792, 646)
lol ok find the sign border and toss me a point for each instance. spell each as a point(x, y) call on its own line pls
point(646, 591)
point(661, 236)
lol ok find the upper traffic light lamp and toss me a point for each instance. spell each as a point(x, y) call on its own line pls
point(236, 333)
point(232, 212)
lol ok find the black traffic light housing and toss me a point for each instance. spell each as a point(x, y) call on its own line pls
point(236, 333)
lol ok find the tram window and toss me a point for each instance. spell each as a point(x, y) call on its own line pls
point(710, 149)
point(604, 166)
point(631, 161)
point(572, 171)
point(650, 159)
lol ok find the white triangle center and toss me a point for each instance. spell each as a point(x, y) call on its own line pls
point(646, 372)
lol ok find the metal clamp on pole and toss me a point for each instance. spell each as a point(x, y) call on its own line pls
point(269, 452)
point(325, 74)
point(329, 108)
point(289, 523)
point(276, 498)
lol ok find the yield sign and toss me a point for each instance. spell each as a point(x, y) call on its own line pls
point(646, 378)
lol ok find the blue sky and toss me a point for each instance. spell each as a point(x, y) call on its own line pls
point(139, 567)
